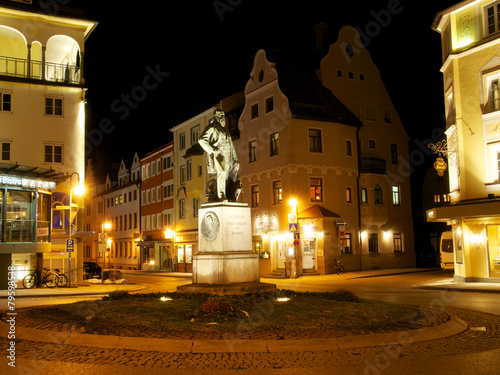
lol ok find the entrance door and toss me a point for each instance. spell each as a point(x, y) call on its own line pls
point(278, 252)
point(309, 254)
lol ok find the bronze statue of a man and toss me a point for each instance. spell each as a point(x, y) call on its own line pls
point(222, 159)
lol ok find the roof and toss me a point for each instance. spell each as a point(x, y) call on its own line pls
point(316, 211)
point(307, 96)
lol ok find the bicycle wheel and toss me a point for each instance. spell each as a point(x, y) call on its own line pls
point(29, 281)
point(340, 270)
point(51, 280)
point(62, 281)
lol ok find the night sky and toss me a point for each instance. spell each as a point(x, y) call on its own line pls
point(201, 54)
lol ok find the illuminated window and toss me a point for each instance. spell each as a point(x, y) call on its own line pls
point(348, 192)
point(53, 106)
point(53, 154)
point(345, 244)
point(277, 192)
point(315, 144)
point(395, 195)
point(252, 151)
point(364, 195)
point(275, 144)
point(5, 102)
point(315, 187)
point(255, 196)
point(397, 241)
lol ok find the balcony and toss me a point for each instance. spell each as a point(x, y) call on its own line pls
point(52, 72)
point(372, 165)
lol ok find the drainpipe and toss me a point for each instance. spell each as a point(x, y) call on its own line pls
point(360, 241)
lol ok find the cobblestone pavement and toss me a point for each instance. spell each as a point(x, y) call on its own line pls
point(483, 335)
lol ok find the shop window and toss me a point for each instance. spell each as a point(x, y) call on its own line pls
point(345, 244)
point(494, 250)
point(53, 106)
point(189, 253)
point(258, 248)
point(180, 254)
point(316, 189)
point(315, 142)
point(457, 241)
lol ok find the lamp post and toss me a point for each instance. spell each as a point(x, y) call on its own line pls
point(105, 226)
point(78, 191)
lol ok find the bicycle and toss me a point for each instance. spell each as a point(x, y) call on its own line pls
point(338, 267)
point(49, 279)
point(62, 280)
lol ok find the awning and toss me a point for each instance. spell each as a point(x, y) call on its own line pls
point(316, 211)
point(32, 172)
point(464, 210)
point(144, 243)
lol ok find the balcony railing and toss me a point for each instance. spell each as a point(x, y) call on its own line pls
point(14, 67)
point(372, 165)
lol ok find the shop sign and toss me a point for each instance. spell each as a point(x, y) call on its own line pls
point(27, 183)
point(41, 232)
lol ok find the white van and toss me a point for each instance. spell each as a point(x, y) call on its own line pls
point(446, 256)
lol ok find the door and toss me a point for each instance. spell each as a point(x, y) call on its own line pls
point(309, 254)
point(278, 244)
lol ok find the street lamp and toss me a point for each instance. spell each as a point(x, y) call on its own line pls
point(79, 190)
point(105, 226)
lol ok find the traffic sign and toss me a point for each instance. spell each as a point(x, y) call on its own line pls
point(293, 228)
point(292, 219)
point(342, 234)
point(296, 236)
point(296, 243)
point(103, 237)
point(103, 247)
point(70, 246)
point(341, 223)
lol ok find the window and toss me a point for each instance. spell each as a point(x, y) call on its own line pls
point(189, 173)
point(167, 163)
point(5, 102)
point(254, 111)
point(371, 112)
point(362, 77)
point(495, 94)
point(351, 75)
point(395, 195)
point(255, 196)
point(182, 141)
point(315, 187)
point(182, 209)
point(269, 104)
point(6, 151)
point(340, 73)
point(348, 148)
point(275, 144)
point(196, 206)
point(345, 244)
point(53, 154)
point(252, 151)
point(315, 140)
point(348, 195)
point(373, 243)
point(387, 116)
point(397, 241)
point(394, 153)
point(182, 174)
point(378, 194)
point(195, 134)
point(364, 195)
point(492, 18)
point(372, 144)
point(277, 192)
point(53, 106)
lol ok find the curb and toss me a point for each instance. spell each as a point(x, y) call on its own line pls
point(233, 344)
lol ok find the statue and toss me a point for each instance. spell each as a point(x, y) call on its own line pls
point(221, 160)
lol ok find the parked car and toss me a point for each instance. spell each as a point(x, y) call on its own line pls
point(91, 270)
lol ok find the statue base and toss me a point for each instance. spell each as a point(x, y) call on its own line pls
point(225, 263)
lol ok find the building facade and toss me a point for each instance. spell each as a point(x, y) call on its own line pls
point(42, 110)
point(157, 210)
point(470, 39)
point(191, 177)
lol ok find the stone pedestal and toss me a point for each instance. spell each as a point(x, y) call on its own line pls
point(225, 263)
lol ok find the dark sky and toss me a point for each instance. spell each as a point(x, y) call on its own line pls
point(208, 54)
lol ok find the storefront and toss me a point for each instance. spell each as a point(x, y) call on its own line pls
point(186, 245)
point(476, 238)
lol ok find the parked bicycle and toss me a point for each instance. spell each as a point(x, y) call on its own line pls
point(338, 267)
point(49, 279)
point(62, 279)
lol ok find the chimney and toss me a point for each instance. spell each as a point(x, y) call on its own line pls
point(321, 30)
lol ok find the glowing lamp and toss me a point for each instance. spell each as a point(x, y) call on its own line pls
point(440, 166)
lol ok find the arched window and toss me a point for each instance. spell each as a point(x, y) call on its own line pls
point(378, 194)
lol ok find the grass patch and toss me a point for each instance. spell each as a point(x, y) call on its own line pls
point(281, 310)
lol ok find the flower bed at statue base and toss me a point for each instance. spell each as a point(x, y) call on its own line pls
point(276, 314)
